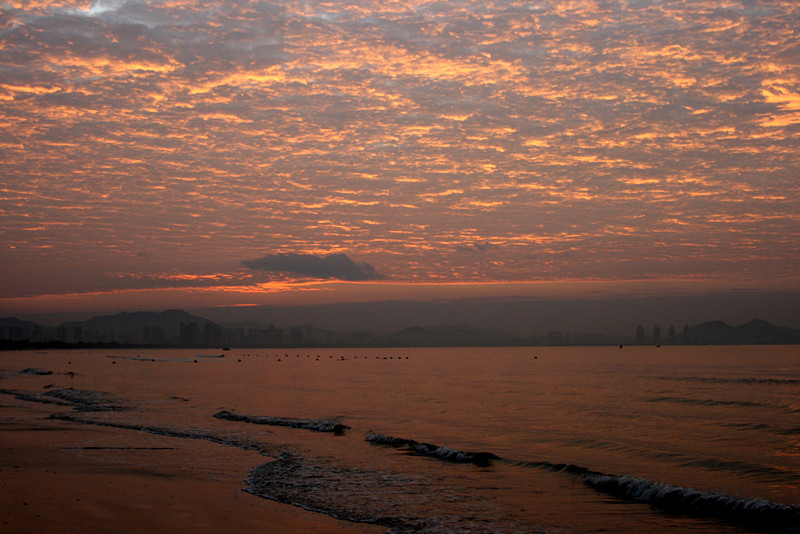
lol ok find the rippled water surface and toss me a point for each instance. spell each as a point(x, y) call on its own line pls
point(690, 439)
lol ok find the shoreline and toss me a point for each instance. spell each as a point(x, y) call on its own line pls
point(70, 478)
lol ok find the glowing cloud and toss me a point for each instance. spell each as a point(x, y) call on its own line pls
point(583, 140)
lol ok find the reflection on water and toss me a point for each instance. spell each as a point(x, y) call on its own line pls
point(714, 420)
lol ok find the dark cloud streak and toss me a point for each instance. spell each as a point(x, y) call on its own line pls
point(332, 266)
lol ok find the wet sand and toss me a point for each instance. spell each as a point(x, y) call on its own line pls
point(58, 476)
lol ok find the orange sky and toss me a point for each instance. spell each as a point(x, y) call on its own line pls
point(180, 153)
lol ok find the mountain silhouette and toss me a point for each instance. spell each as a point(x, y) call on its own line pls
point(755, 332)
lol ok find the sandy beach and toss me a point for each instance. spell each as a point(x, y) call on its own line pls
point(59, 476)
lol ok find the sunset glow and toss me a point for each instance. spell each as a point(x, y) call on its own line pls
point(173, 153)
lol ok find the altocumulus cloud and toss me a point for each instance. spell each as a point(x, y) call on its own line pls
point(338, 266)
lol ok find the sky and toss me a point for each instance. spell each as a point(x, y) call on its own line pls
point(237, 153)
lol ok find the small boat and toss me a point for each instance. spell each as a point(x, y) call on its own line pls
point(226, 348)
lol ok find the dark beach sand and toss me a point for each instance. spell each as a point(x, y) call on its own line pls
point(58, 476)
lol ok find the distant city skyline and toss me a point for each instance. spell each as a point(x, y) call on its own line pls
point(231, 155)
point(178, 328)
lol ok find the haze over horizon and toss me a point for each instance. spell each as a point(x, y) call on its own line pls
point(232, 155)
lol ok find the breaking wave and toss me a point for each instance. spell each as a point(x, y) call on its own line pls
point(435, 451)
point(753, 512)
point(756, 513)
point(317, 425)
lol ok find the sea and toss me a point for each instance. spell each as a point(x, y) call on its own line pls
point(473, 440)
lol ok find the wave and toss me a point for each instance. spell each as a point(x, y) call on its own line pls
point(402, 502)
point(317, 425)
point(747, 426)
point(244, 444)
point(756, 513)
point(720, 380)
point(381, 439)
point(434, 451)
point(86, 400)
point(371, 495)
point(33, 397)
point(35, 371)
point(759, 471)
point(743, 469)
point(759, 513)
point(79, 399)
point(705, 402)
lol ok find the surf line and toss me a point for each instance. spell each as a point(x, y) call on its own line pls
point(317, 425)
point(756, 513)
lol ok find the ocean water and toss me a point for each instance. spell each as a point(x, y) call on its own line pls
point(534, 439)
